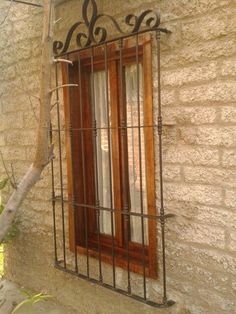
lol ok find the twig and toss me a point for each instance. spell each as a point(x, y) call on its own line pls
point(7, 173)
point(27, 3)
point(13, 176)
point(56, 103)
point(63, 61)
point(58, 20)
point(62, 86)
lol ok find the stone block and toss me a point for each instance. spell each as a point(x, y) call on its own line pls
point(191, 155)
point(209, 50)
point(196, 115)
point(190, 232)
point(228, 114)
point(172, 173)
point(210, 26)
point(230, 198)
point(211, 136)
point(21, 138)
point(206, 175)
point(215, 92)
point(193, 74)
point(232, 241)
point(203, 194)
point(228, 67)
point(229, 158)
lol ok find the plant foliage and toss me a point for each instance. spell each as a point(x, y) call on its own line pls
point(31, 299)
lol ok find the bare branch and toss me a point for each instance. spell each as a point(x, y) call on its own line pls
point(56, 103)
point(58, 20)
point(62, 86)
point(27, 3)
point(63, 61)
point(13, 176)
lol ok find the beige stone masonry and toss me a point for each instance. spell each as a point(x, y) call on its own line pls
point(199, 153)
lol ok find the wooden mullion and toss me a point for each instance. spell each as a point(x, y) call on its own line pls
point(150, 157)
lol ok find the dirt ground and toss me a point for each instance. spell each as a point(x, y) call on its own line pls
point(10, 296)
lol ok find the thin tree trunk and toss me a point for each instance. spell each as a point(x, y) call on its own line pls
point(43, 153)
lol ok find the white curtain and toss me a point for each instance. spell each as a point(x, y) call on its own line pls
point(136, 153)
point(135, 160)
point(102, 150)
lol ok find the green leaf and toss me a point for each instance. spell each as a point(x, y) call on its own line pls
point(3, 183)
point(12, 233)
point(25, 293)
point(27, 301)
point(31, 299)
point(1, 208)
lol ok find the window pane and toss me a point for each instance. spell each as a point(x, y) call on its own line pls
point(136, 151)
point(103, 158)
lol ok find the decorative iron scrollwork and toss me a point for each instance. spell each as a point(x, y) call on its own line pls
point(98, 34)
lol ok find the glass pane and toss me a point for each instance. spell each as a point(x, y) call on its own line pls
point(136, 151)
point(103, 158)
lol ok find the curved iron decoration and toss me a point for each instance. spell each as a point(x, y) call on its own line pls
point(97, 34)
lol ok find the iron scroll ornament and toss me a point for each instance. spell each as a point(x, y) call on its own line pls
point(97, 34)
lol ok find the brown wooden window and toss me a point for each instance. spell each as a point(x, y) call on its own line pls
point(110, 155)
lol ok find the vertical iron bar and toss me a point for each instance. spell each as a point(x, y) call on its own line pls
point(74, 207)
point(162, 210)
point(60, 168)
point(140, 168)
point(94, 126)
point(53, 201)
point(73, 201)
point(110, 166)
point(83, 166)
point(123, 123)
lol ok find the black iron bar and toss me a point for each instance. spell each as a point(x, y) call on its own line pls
point(160, 29)
point(130, 213)
point(162, 210)
point(73, 201)
point(53, 201)
point(97, 202)
point(60, 165)
point(85, 212)
point(125, 181)
point(110, 164)
point(109, 128)
point(140, 168)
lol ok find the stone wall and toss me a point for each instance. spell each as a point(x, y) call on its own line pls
point(199, 95)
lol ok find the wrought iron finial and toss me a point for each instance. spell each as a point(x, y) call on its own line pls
point(97, 34)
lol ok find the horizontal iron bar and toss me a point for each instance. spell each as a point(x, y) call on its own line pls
point(27, 3)
point(106, 128)
point(130, 213)
point(167, 304)
point(160, 29)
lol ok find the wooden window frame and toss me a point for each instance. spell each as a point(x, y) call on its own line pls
point(72, 95)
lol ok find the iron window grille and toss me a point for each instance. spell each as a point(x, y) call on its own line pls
point(117, 133)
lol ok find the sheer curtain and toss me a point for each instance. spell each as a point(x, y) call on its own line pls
point(136, 151)
point(102, 150)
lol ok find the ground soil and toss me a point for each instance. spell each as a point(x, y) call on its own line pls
point(10, 296)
